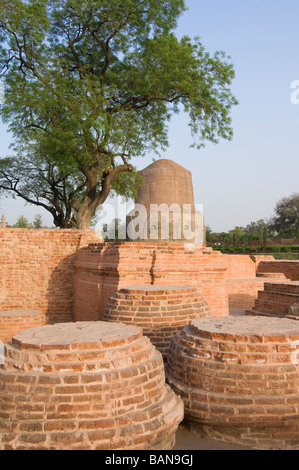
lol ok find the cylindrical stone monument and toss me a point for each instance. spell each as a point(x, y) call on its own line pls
point(161, 311)
point(164, 209)
point(239, 379)
point(86, 386)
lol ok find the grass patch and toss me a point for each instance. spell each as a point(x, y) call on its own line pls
point(287, 256)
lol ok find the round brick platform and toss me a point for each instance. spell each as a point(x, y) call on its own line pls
point(239, 379)
point(160, 310)
point(14, 321)
point(86, 386)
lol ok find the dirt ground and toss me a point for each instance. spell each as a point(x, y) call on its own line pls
point(187, 440)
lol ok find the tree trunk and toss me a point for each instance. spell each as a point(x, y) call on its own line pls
point(83, 218)
point(87, 209)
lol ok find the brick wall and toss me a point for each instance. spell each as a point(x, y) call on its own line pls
point(223, 280)
point(54, 270)
point(289, 268)
point(243, 292)
point(240, 266)
point(14, 321)
point(161, 311)
point(103, 269)
point(242, 285)
point(37, 269)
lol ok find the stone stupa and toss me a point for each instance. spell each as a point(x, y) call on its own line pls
point(3, 223)
point(164, 209)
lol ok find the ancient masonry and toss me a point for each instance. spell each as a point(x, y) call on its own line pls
point(3, 223)
point(86, 386)
point(161, 311)
point(280, 299)
point(87, 325)
point(165, 206)
point(14, 321)
point(239, 379)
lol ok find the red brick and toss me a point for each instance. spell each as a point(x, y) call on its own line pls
point(74, 410)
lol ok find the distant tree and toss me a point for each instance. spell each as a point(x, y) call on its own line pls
point(237, 236)
point(115, 231)
point(286, 218)
point(224, 238)
point(38, 221)
point(256, 231)
point(22, 222)
point(211, 237)
point(91, 84)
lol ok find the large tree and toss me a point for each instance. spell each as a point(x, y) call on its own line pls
point(92, 84)
point(286, 218)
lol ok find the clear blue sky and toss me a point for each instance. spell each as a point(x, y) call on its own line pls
point(239, 181)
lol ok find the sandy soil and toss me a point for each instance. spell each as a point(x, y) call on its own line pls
point(187, 440)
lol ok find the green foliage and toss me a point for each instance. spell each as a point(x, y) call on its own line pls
point(38, 221)
point(288, 256)
point(275, 249)
point(256, 249)
point(256, 231)
point(22, 222)
point(286, 219)
point(89, 86)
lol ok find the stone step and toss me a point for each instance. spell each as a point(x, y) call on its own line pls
point(283, 287)
point(257, 313)
point(280, 297)
point(276, 299)
point(272, 275)
point(272, 306)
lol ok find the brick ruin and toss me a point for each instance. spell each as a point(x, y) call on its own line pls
point(3, 223)
point(165, 207)
point(161, 311)
point(87, 324)
point(62, 277)
point(14, 321)
point(238, 378)
point(279, 299)
point(86, 386)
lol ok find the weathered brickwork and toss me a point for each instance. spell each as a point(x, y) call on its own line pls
point(161, 311)
point(240, 266)
point(37, 269)
point(168, 186)
point(242, 293)
point(89, 386)
point(239, 379)
point(14, 321)
point(276, 299)
point(242, 284)
point(67, 274)
point(290, 268)
point(276, 276)
point(103, 269)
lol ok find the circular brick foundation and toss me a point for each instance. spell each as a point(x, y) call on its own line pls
point(239, 379)
point(89, 385)
point(14, 321)
point(160, 310)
